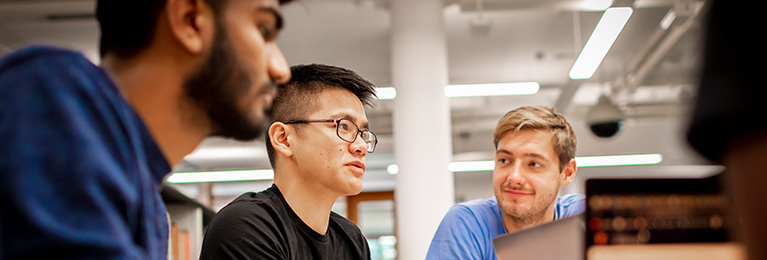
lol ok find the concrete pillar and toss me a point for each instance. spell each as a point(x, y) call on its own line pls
point(421, 115)
point(205, 196)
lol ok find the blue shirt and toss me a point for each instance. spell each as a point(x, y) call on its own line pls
point(468, 229)
point(80, 175)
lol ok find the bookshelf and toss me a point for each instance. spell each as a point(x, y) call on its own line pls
point(187, 221)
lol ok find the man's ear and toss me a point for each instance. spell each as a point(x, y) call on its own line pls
point(569, 173)
point(278, 136)
point(191, 23)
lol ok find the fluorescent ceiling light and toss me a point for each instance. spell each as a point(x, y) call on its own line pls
point(471, 166)
point(465, 166)
point(494, 89)
point(618, 160)
point(596, 5)
point(226, 153)
point(581, 162)
point(386, 93)
point(603, 37)
point(668, 20)
point(221, 176)
point(392, 169)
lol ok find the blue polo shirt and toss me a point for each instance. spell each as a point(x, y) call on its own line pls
point(80, 175)
point(468, 229)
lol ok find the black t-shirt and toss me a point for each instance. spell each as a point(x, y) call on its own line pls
point(263, 226)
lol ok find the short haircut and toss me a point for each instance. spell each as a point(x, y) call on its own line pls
point(128, 27)
point(540, 118)
point(295, 100)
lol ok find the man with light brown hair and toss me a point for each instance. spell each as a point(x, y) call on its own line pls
point(534, 157)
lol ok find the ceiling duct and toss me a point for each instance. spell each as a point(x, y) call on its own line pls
point(682, 18)
point(686, 14)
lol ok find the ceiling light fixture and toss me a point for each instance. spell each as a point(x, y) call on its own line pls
point(492, 89)
point(386, 93)
point(471, 166)
point(222, 176)
point(581, 162)
point(226, 153)
point(668, 20)
point(618, 160)
point(465, 166)
point(609, 27)
point(392, 169)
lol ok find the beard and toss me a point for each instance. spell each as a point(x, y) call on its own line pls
point(530, 214)
point(217, 89)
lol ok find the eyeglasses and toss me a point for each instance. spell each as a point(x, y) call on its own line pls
point(345, 131)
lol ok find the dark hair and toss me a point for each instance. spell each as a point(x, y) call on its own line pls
point(296, 99)
point(127, 27)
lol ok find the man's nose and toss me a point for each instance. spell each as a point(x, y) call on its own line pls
point(516, 176)
point(278, 68)
point(359, 146)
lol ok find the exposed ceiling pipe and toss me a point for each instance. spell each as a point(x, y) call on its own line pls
point(654, 52)
point(566, 95)
point(657, 47)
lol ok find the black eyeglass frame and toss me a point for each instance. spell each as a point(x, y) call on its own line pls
point(371, 148)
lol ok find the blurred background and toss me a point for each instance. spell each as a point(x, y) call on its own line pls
point(649, 77)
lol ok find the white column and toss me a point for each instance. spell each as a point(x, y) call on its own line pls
point(421, 115)
point(205, 195)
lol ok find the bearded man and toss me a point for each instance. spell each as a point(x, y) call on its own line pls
point(534, 158)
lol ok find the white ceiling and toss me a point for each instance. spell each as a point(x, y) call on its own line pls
point(650, 72)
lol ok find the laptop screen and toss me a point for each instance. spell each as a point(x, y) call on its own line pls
point(640, 215)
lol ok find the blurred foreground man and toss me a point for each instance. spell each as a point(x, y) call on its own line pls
point(728, 124)
point(85, 148)
point(534, 158)
point(317, 146)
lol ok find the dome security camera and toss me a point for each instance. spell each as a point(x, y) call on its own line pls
point(605, 119)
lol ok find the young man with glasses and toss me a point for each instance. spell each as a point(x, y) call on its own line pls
point(317, 145)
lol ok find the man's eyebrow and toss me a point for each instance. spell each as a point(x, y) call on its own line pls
point(350, 117)
point(533, 155)
point(277, 15)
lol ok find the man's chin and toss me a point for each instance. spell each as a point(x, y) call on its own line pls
point(354, 189)
point(243, 131)
point(513, 206)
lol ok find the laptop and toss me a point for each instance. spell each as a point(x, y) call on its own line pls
point(661, 218)
point(655, 211)
point(557, 240)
